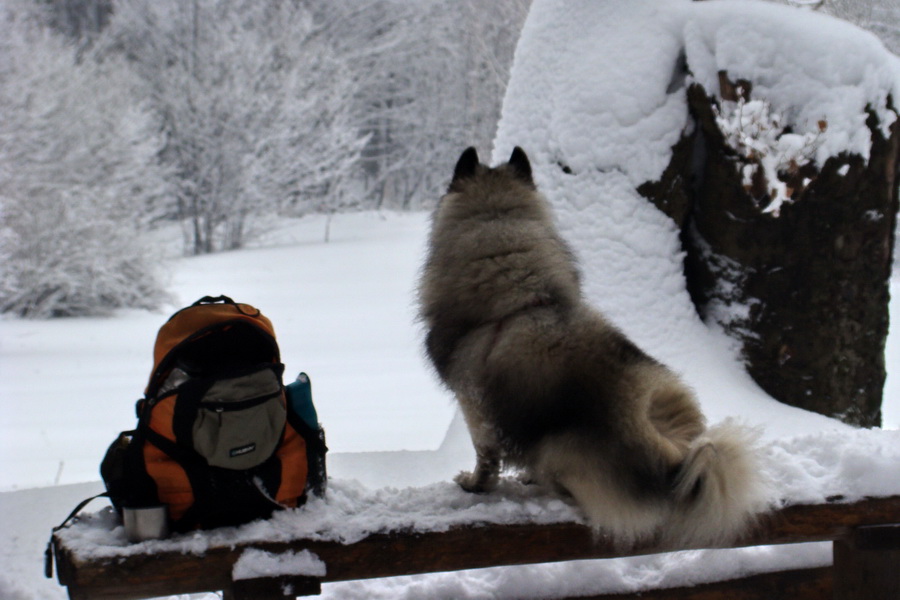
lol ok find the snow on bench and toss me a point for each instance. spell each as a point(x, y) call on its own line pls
point(358, 533)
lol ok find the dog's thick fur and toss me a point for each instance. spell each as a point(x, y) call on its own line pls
point(547, 385)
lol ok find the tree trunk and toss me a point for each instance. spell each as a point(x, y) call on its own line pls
point(804, 290)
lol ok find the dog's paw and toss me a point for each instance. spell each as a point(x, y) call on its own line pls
point(526, 478)
point(471, 483)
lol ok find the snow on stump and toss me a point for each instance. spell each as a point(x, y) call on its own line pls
point(789, 253)
point(792, 259)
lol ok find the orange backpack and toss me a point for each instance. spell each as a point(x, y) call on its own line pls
point(220, 440)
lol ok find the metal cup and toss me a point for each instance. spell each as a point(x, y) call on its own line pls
point(146, 523)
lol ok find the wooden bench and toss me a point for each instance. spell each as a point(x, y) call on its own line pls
point(866, 536)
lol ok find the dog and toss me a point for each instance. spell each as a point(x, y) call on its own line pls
point(549, 387)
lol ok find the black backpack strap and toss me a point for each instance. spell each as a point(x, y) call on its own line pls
point(48, 553)
point(213, 300)
point(223, 300)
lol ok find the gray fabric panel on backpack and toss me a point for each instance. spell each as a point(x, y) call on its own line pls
point(240, 421)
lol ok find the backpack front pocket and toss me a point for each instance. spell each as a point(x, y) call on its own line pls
point(240, 420)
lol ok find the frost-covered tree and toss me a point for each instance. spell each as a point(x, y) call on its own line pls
point(80, 20)
point(253, 103)
point(77, 168)
point(882, 17)
point(433, 85)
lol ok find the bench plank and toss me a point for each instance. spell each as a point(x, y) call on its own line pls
point(407, 553)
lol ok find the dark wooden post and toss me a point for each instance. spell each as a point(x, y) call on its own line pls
point(867, 564)
point(272, 588)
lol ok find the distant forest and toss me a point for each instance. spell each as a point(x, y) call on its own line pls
point(233, 107)
point(121, 116)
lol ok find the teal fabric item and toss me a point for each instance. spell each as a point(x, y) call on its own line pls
point(299, 397)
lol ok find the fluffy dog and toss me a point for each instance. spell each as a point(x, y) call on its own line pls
point(548, 386)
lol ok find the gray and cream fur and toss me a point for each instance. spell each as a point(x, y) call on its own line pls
point(548, 386)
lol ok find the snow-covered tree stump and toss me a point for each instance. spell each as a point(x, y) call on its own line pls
point(792, 258)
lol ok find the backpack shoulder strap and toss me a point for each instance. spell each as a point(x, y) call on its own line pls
point(48, 553)
point(224, 300)
point(213, 300)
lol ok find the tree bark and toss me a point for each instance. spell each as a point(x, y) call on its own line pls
point(805, 291)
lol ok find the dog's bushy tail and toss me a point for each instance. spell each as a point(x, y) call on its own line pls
point(717, 495)
point(719, 491)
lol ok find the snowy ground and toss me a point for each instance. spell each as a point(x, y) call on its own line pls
point(344, 312)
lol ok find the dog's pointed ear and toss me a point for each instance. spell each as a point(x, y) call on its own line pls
point(466, 165)
point(520, 165)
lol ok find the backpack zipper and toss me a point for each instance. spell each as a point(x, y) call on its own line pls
point(221, 406)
